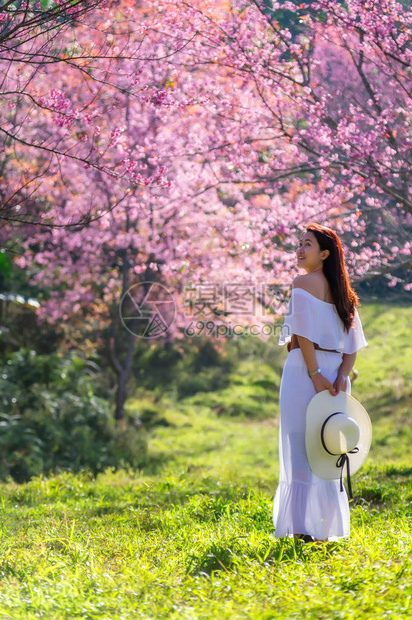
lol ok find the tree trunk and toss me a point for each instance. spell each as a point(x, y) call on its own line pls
point(122, 370)
point(121, 393)
point(122, 362)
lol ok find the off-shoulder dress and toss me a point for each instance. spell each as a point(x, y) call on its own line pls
point(304, 503)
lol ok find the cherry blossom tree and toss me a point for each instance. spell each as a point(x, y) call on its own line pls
point(166, 232)
point(209, 150)
point(46, 131)
point(27, 20)
point(294, 129)
point(336, 86)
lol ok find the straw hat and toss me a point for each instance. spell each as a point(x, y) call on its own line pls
point(338, 433)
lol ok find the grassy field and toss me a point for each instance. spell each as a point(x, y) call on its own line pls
point(191, 536)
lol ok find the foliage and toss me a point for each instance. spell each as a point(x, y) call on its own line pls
point(184, 369)
point(54, 417)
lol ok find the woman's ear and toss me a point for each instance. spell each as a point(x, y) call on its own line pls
point(325, 254)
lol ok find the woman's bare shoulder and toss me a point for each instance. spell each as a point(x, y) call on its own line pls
point(310, 282)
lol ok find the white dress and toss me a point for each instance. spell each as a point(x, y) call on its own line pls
point(304, 503)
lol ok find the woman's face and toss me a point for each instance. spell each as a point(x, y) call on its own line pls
point(310, 256)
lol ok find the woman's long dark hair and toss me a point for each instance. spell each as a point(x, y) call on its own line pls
point(334, 268)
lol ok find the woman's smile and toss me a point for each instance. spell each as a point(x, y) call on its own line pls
point(310, 252)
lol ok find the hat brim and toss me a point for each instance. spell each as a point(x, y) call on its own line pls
point(320, 407)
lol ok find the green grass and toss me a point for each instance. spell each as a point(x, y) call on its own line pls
point(191, 536)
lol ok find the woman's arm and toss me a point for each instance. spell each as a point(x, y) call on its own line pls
point(308, 351)
point(348, 362)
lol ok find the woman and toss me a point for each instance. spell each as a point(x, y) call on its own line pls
point(323, 332)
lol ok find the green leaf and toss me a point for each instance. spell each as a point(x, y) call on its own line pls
point(5, 266)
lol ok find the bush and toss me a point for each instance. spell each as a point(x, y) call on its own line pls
point(191, 367)
point(53, 416)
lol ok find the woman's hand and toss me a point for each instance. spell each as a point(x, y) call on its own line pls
point(341, 383)
point(322, 383)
